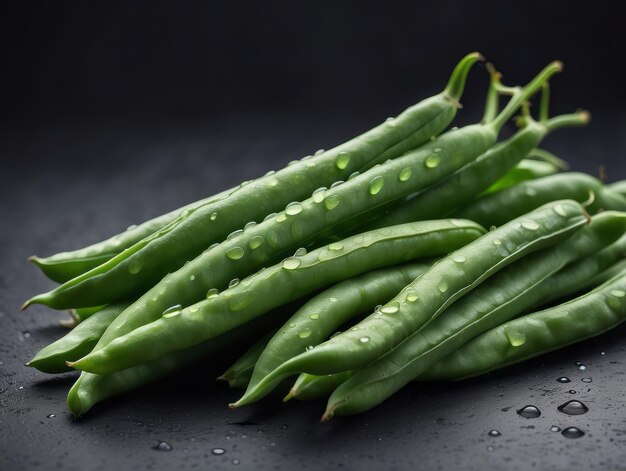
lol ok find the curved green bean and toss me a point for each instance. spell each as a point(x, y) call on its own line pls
point(91, 389)
point(619, 187)
point(311, 387)
point(240, 372)
point(289, 280)
point(606, 275)
point(535, 334)
point(500, 298)
point(317, 319)
point(141, 266)
point(77, 343)
point(497, 208)
point(430, 294)
point(469, 181)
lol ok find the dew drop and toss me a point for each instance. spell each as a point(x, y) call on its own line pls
point(292, 324)
point(192, 278)
point(563, 379)
point(171, 314)
point(332, 300)
point(353, 175)
point(235, 461)
point(194, 308)
point(335, 246)
point(309, 348)
point(212, 293)
point(26, 334)
point(213, 216)
point(304, 333)
point(586, 380)
point(291, 263)
point(497, 242)
point(376, 185)
point(432, 161)
point(459, 258)
point(234, 282)
point(331, 202)
point(572, 432)
point(162, 446)
point(318, 195)
point(293, 208)
point(255, 242)
point(280, 217)
point(364, 339)
point(342, 160)
point(405, 174)
point(319, 151)
point(573, 408)
point(515, 338)
point(618, 293)
point(390, 308)
point(494, 433)
point(490, 448)
point(411, 296)
point(235, 253)
point(560, 210)
point(234, 234)
point(172, 309)
point(554, 428)
point(582, 367)
point(530, 225)
point(269, 216)
point(337, 183)
point(442, 286)
point(212, 246)
point(134, 267)
point(218, 451)
point(272, 182)
point(530, 412)
point(571, 391)
point(314, 316)
point(51, 416)
point(249, 226)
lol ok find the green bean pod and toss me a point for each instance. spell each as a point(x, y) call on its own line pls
point(311, 387)
point(619, 187)
point(291, 279)
point(497, 208)
point(469, 181)
point(141, 266)
point(526, 169)
point(538, 333)
point(606, 275)
point(240, 372)
point(317, 319)
point(502, 297)
point(581, 274)
point(77, 343)
point(90, 389)
point(430, 294)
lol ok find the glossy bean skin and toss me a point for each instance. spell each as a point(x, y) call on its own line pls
point(581, 274)
point(141, 266)
point(619, 187)
point(430, 294)
point(240, 372)
point(527, 169)
point(91, 389)
point(291, 279)
point(502, 297)
point(317, 319)
point(497, 208)
point(538, 333)
point(606, 275)
point(491, 168)
point(77, 343)
point(310, 387)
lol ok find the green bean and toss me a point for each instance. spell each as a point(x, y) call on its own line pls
point(469, 181)
point(543, 155)
point(289, 280)
point(606, 275)
point(324, 313)
point(497, 208)
point(141, 266)
point(619, 187)
point(91, 389)
point(580, 274)
point(240, 372)
point(535, 334)
point(311, 387)
point(77, 343)
point(527, 169)
point(500, 298)
point(430, 294)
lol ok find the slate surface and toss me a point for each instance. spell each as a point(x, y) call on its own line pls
point(68, 184)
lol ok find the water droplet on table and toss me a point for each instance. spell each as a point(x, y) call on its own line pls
point(564, 379)
point(218, 451)
point(494, 433)
point(530, 412)
point(573, 408)
point(572, 432)
point(163, 446)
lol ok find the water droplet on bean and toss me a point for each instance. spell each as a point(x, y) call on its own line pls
point(560, 210)
point(212, 293)
point(291, 263)
point(336, 184)
point(194, 308)
point(235, 253)
point(405, 174)
point(342, 160)
point(280, 217)
point(331, 202)
point(304, 333)
point(364, 339)
point(459, 258)
point(411, 296)
point(432, 161)
point(390, 308)
point(134, 267)
point(319, 151)
point(318, 195)
point(213, 216)
point(314, 316)
point(530, 225)
point(234, 282)
point(255, 242)
point(293, 208)
point(332, 300)
point(376, 185)
point(442, 286)
point(515, 338)
point(335, 246)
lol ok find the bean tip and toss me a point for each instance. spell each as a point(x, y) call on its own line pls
point(329, 414)
point(585, 116)
point(221, 378)
point(289, 395)
point(233, 405)
point(71, 364)
point(25, 305)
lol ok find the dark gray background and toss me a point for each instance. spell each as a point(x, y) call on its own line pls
point(117, 112)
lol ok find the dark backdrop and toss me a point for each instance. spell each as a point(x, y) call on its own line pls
point(114, 112)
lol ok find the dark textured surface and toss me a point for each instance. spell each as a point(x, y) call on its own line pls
point(91, 180)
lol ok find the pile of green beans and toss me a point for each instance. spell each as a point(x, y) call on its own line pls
point(410, 253)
